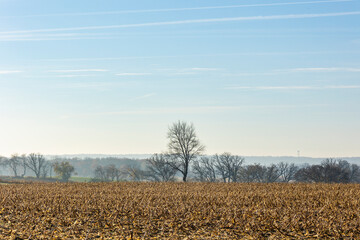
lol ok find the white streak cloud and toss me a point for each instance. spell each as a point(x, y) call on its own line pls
point(8, 71)
point(199, 55)
point(192, 21)
point(296, 70)
point(182, 9)
point(78, 70)
point(74, 75)
point(292, 87)
point(144, 96)
point(133, 74)
point(331, 69)
point(204, 69)
point(343, 87)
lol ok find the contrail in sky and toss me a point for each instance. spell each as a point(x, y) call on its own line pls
point(181, 9)
point(192, 21)
point(293, 87)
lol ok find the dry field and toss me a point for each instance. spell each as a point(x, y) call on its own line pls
point(179, 211)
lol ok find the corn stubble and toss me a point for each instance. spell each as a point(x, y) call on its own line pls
point(179, 211)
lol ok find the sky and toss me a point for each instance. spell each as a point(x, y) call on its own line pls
point(256, 78)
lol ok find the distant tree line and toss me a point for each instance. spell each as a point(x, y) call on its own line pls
point(231, 168)
point(218, 168)
point(185, 160)
point(185, 154)
point(37, 165)
point(330, 171)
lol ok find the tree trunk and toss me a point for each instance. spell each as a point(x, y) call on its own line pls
point(185, 175)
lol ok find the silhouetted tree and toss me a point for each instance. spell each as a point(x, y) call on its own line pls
point(204, 169)
point(184, 146)
point(135, 173)
point(37, 163)
point(109, 173)
point(17, 164)
point(3, 161)
point(100, 174)
point(253, 173)
point(228, 166)
point(329, 171)
point(287, 171)
point(313, 173)
point(158, 169)
point(112, 173)
point(272, 174)
point(354, 173)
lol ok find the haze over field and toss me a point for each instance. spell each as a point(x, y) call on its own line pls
point(257, 78)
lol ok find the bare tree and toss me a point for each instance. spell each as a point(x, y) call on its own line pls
point(17, 165)
point(329, 171)
point(46, 170)
point(100, 174)
point(354, 173)
point(37, 163)
point(108, 173)
point(336, 170)
point(184, 146)
point(158, 168)
point(204, 169)
point(272, 174)
point(135, 173)
point(3, 161)
point(112, 173)
point(228, 166)
point(287, 171)
point(313, 173)
point(13, 163)
point(253, 173)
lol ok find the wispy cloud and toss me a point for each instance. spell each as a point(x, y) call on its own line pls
point(8, 71)
point(188, 71)
point(198, 55)
point(35, 39)
point(328, 69)
point(144, 96)
point(74, 75)
point(192, 21)
point(295, 70)
point(182, 9)
point(77, 70)
point(56, 36)
point(204, 69)
point(246, 74)
point(292, 87)
point(343, 87)
point(133, 74)
point(98, 86)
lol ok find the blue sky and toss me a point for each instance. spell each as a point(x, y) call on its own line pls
point(255, 77)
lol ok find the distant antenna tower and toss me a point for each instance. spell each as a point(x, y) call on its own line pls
point(298, 153)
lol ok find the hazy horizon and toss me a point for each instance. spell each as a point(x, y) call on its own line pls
point(146, 155)
point(256, 78)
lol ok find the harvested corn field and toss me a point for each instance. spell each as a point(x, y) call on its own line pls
point(179, 211)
